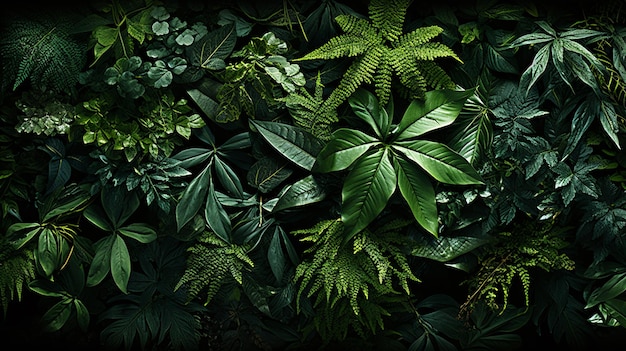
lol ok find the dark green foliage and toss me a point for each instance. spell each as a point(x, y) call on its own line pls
point(289, 175)
point(43, 50)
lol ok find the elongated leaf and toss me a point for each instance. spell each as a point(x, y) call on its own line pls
point(366, 190)
point(59, 171)
point(438, 160)
point(141, 232)
point(192, 156)
point(473, 134)
point(365, 105)
point(120, 263)
point(613, 287)
point(101, 263)
point(215, 215)
point(438, 109)
point(345, 147)
point(536, 68)
point(192, 198)
point(228, 178)
point(276, 257)
point(97, 217)
point(444, 249)
point(303, 192)
point(22, 233)
point(294, 143)
point(48, 251)
point(267, 173)
point(56, 317)
point(419, 193)
point(82, 314)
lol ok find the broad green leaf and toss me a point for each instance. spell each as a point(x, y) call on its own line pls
point(192, 198)
point(56, 317)
point(120, 263)
point(419, 194)
point(101, 264)
point(267, 173)
point(217, 44)
point(345, 147)
point(236, 142)
point(366, 190)
point(59, 171)
point(216, 217)
point(294, 143)
point(206, 104)
point(97, 217)
point(438, 160)
point(473, 133)
point(48, 251)
point(22, 233)
point(438, 109)
point(613, 287)
point(365, 105)
point(303, 192)
point(141, 232)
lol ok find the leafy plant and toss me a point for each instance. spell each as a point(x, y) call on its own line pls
point(393, 156)
point(383, 50)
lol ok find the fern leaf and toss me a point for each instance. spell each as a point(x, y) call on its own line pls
point(388, 17)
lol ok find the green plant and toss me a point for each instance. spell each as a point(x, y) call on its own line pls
point(393, 156)
point(382, 50)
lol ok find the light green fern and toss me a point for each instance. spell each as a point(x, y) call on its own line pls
point(210, 264)
point(381, 50)
point(352, 278)
point(516, 254)
point(17, 269)
point(306, 111)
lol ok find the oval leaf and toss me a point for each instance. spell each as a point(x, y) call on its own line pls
point(120, 263)
point(419, 193)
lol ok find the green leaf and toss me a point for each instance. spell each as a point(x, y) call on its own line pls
point(438, 109)
point(45, 287)
point(97, 217)
point(216, 217)
point(22, 233)
point(613, 287)
point(82, 314)
point(536, 68)
point(141, 232)
point(438, 160)
point(101, 263)
point(303, 192)
point(275, 256)
point(56, 317)
point(48, 251)
point(366, 190)
point(119, 204)
point(192, 156)
point(445, 249)
point(120, 263)
point(267, 173)
point(473, 132)
point(365, 105)
point(217, 44)
point(192, 198)
point(345, 147)
point(419, 194)
point(294, 143)
point(228, 178)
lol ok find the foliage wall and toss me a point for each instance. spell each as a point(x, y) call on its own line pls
point(291, 175)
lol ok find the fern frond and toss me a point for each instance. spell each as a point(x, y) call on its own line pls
point(211, 262)
point(17, 269)
point(361, 71)
point(44, 51)
point(340, 46)
point(417, 37)
point(388, 17)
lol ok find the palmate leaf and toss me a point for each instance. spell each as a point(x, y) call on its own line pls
point(366, 190)
point(345, 147)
